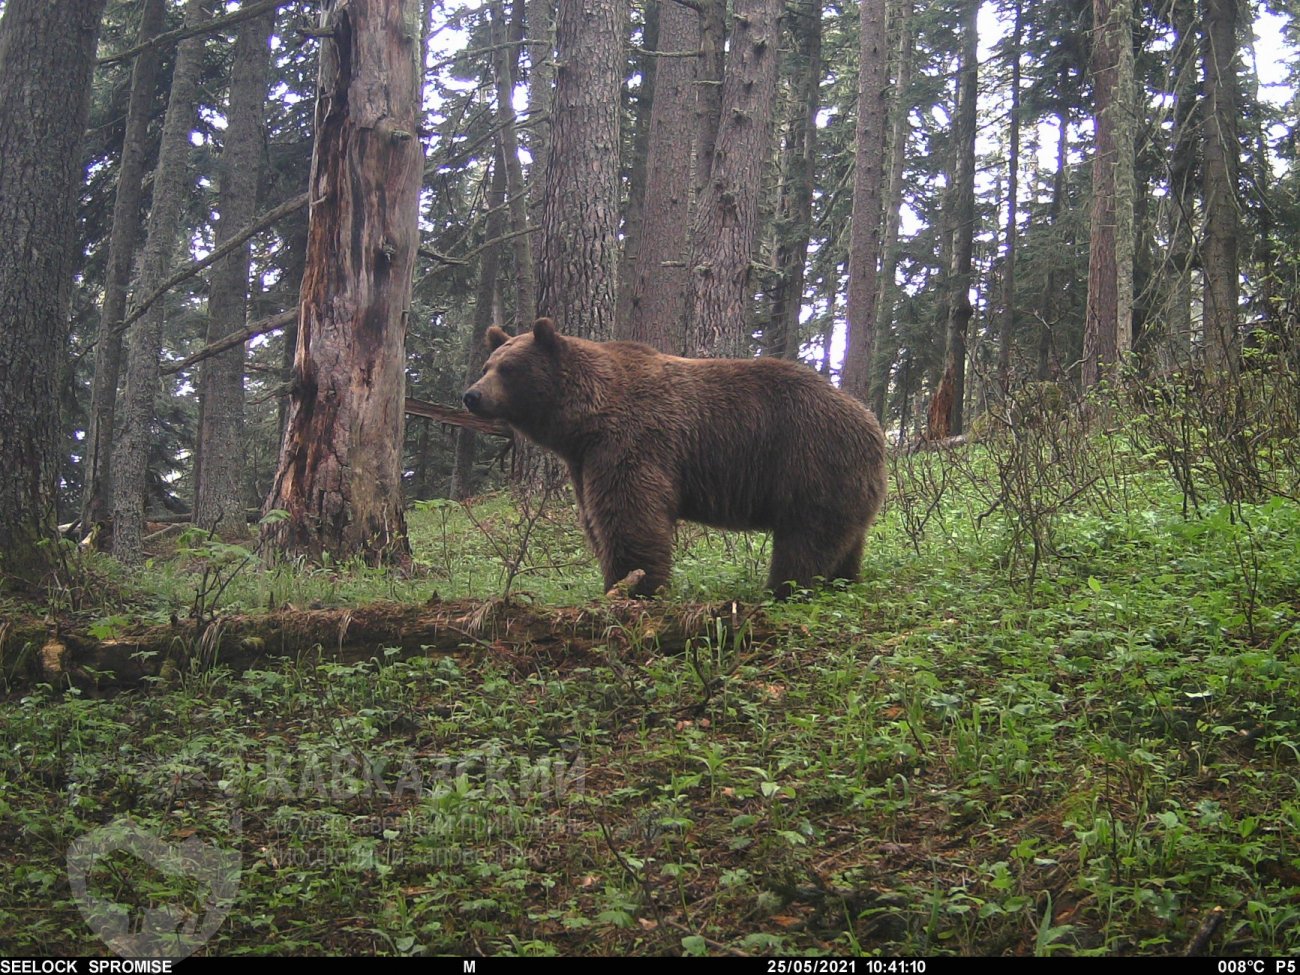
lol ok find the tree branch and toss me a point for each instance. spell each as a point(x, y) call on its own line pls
point(247, 12)
point(260, 327)
point(444, 259)
point(189, 270)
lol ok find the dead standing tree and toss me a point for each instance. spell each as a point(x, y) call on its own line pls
point(339, 476)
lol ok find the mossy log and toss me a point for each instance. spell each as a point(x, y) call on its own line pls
point(31, 653)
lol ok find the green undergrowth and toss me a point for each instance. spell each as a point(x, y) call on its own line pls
point(1080, 739)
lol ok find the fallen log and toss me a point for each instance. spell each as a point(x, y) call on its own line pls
point(37, 653)
point(449, 417)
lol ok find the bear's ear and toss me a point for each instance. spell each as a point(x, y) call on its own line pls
point(496, 337)
point(544, 333)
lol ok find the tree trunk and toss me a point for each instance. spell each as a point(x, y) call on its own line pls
point(794, 220)
point(899, 108)
point(1221, 156)
point(726, 217)
point(1174, 342)
point(462, 474)
point(960, 309)
point(1108, 324)
point(295, 245)
point(866, 239)
point(340, 471)
point(505, 69)
point(96, 463)
point(170, 185)
point(47, 54)
point(638, 105)
point(1008, 330)
point(658, 278)
point(577, 266)
point(708, 90)
point(219, 491)
point(1047, 307)
point(540, 21)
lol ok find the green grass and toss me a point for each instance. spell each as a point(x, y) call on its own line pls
point(946, 758)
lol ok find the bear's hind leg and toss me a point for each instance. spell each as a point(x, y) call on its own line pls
point(798, 559)
point(850, 566)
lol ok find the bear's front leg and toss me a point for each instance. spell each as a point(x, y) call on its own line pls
point(631, 527)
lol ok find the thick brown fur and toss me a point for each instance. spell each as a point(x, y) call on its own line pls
point(734, 443)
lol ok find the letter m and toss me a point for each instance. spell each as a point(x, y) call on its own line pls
point(468, 968)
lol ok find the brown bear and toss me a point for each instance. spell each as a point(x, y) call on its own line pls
point(734, 443)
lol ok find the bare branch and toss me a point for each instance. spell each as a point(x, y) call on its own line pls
point(260, 327)
point(444, 259)
point(189, 270)
point(247, 12)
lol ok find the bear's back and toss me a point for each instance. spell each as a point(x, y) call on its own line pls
point(752, 441)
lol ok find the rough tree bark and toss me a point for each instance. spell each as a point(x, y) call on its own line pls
point(658, 277)
point(794, 219)
point(1221, 159)
point(219, 466)
point(866, 236)
point(170, 184)
point(726, 216)
point(97, 477)
point(47, 55)
point(962, 196)
point(339, 475)
point(578, 260)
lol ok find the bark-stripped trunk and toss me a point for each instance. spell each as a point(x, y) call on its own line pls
point(726, 216)
point(794, 219)
point(340, 471)
point(1108, 323)
point(122, 241)
point(960, 309)
point(144, 340)
point(1221, 156)
point(47, 54)
point(462, 473)
point(866, 237)
point(577, 265)
point(658, 277)
point(219, 491)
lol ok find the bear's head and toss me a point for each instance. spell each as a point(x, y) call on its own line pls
point(520, 378)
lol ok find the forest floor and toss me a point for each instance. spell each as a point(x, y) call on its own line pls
point(1071, 729)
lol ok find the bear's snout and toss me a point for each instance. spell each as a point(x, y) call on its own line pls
point(472, 399)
